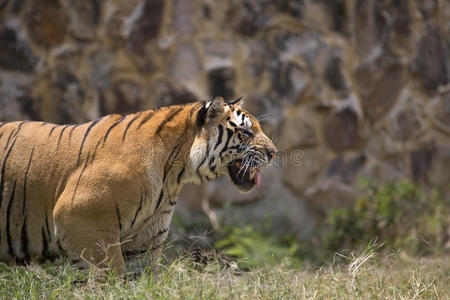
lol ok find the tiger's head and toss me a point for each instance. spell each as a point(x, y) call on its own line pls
point(230, 142)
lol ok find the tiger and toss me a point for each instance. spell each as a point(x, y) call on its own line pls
point(100, 191)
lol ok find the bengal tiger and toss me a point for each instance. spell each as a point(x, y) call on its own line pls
point(98, 191)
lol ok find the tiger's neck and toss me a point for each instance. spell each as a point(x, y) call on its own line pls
point(172, 134)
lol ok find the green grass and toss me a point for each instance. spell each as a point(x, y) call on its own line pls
point(365, 276)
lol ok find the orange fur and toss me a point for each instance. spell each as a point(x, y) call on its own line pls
point(98, 190)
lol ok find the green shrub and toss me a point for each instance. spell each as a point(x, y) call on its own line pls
point(399, 215)
point(254, 248)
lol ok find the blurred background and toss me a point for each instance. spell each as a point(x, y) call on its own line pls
point(355, 94)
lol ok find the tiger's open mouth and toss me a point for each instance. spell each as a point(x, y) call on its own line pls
point(244, 177)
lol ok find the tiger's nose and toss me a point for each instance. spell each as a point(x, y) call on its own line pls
point(270, 155)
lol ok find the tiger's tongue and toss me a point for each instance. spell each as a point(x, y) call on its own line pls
point(257, 179)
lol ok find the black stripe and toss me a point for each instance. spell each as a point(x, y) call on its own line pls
point(9, 138)
point(138, 210)
point(172, 203)
point(193, 109)
point(20, 127)
point(146, 118)
point(180, 175)
point(8, 216)
point(95, 149)
point(61, 133)
point(43, 124)
point(219, 139)
point(233, 124)
point(25, 182)
point(61, 249)
point(45, 252)
point(238, 112)
point(118, 217)
point(53, 129)
point(2, 180)
point(201, 116)
point(128, 127)
point(204, 159)
point(79, 177)
point(161, 232)
point(160, 198)
point(230, 134)
point(24, 240)
point(71, 132)
point(84, 139)
point(48, 228)
point(3, 124)
point(112, 127)
point(168, 119)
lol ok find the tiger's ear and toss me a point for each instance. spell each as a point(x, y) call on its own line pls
point(215, 108)
point(239, 102)
point(211, 111)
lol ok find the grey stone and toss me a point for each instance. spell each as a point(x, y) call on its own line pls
point(47, 22)
point(84, 17)
point(185, 64)
point(370, 27)
point(15, 54)
point(334, 76)
point(341, 131)
point(124, 97)
point(100, 68)
point(183, 16)
point(298, 130)
point(346, 168)
point(432, 59)
point(405, 119)
point(15, 102)
point(288, 81)
point(438, 172)
point(167, 93)
point(379, 83)
point(421, 161)
point(221, 82)
point(147, 24)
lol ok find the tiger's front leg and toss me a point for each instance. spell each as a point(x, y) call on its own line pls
point(144, 247)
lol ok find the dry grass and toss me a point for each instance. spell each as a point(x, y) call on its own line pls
point(364, 277)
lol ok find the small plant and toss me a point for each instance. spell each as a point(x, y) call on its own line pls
point(398, 215)
point(254, 248)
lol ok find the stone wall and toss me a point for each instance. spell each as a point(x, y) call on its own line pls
point(347, 88)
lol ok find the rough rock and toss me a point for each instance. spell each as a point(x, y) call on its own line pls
point(47, 22)
point(185, 63)
point(147, 23)
point(341, 131)
point(183, 16)
point(84, 17)
point(221, 82)
point(421, 160)
point(124, 97)
point(432, 59)
point(379, 84)
point(15, 54)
